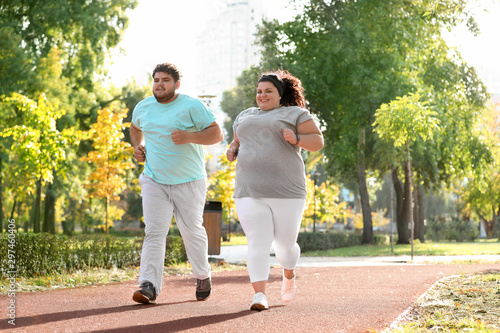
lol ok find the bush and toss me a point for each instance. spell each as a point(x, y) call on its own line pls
point(316, 241)
point(44, 254)
point(453, 229)
point(175, 253)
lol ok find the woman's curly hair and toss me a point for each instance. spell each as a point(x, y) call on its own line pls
point(293, 92)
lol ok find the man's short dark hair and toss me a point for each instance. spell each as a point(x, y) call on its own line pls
point(168, 68)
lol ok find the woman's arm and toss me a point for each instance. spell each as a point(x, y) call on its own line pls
point(308, 136)
point(232, 151)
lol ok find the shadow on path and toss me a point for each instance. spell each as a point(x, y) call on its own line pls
point(68, 315)
point(183, 324)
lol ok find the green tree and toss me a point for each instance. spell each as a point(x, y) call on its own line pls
point(402, 122)
point(111, 158)
point(38, 147)
point(481, 191)
point(353, 56)
point(83, 31)
point(221, 188)
point(239, 98)
point(323, 204)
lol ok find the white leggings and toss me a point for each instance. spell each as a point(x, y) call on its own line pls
point(267, 220)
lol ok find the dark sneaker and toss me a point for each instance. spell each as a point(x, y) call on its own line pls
point(146, 295)
point(203, 288)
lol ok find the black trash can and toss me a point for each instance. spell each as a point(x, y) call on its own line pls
point(212, 221)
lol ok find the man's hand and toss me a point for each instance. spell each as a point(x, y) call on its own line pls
point(140, 153)
point(180, 137)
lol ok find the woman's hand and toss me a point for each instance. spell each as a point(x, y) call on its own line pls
point(290, 136)
point(232, 151)
point(231, 154)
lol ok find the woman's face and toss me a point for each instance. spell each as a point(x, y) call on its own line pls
point(267, 97)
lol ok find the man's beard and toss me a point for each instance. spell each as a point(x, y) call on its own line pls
point(164, 96)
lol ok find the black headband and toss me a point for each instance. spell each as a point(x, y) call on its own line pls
point(274, 79)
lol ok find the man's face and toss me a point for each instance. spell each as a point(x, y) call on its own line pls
point(164, 87)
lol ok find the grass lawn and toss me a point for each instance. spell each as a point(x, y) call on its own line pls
point(236, 240)
point(419, 249)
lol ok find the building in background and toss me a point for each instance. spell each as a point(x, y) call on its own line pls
point(225, 48)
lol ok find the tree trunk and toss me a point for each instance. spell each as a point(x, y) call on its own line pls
point(363, 192)
point(106, 222)
point(410, 199)
point(49, 211)
point(490, 225)
point(401, 221)
point(13, 208)
point(418, 213)
point(69, 225)
point(38, 207)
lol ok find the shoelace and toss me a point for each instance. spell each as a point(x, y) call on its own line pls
point(203, 284)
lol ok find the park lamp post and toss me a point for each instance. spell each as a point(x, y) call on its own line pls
point(207, 99)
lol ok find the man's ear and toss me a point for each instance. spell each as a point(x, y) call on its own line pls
point(177, 84)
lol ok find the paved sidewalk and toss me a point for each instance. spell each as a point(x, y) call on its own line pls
point(339, 298)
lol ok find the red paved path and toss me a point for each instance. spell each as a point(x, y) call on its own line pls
point(329, 299)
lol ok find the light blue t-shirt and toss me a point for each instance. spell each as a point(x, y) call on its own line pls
point(167, 163)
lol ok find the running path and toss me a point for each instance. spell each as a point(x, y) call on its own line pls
point(329, 299)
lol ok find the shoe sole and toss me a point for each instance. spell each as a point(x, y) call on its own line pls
point(203, 295)
point(258, 307)
point(202, 298)
point(140, 298)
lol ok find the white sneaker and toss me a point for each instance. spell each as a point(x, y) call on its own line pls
point(259, 302)
point(288, 289)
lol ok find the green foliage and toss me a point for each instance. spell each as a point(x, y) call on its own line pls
point(221, 188)
point(175, 253)
point(452, 229)
point(354, 56)
point(44, 254)
point(83, 31)
point(38, 147)
point(323, 203)
point(332, 240)
point(239, 98)
point(405, 119)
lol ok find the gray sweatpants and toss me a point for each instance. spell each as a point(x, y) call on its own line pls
point(160, 202)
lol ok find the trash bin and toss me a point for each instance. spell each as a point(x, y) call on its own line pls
point(212, 221)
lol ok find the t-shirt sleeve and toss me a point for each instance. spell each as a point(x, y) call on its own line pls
point(136, 115)
point(201, 115)
point(304, 115)
point(237, 120)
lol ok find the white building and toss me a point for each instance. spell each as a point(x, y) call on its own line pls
point(226, 46)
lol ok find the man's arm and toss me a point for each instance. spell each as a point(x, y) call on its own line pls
point(209, 136)
point(138, 142)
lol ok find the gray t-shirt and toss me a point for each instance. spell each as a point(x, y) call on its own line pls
point(268, 166)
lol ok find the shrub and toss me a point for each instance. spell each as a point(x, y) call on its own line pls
point(175, 252)
point(45, 254)
point(317, 241)
point(453, 229)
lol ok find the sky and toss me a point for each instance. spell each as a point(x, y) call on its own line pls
point(166, 30)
